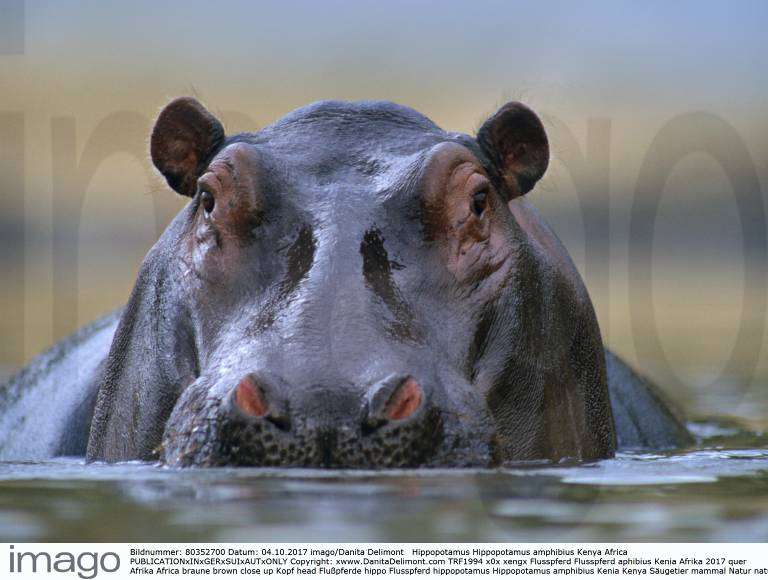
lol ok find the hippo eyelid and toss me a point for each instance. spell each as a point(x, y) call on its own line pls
point(480, 201)
point(207, 201)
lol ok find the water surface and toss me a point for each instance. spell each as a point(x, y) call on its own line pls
point(717, 491)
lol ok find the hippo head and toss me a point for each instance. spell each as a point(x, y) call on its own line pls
point(354, 287)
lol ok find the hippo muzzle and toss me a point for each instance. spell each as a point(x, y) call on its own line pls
point(259, 423)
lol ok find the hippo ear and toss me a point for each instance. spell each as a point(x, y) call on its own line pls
point(516, 142)
point(184, 138)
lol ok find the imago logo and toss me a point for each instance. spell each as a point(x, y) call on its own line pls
point(85, 564)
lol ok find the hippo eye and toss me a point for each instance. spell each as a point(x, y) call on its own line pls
point(479, 202)
point(207, 200)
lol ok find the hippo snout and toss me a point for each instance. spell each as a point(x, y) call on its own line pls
point(262, 421)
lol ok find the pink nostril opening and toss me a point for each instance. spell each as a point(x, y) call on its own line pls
point(404, 401)
point(250, 398)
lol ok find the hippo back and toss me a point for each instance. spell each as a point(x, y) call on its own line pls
point(47, 407)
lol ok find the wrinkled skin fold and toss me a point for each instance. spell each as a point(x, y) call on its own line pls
point(352, 286)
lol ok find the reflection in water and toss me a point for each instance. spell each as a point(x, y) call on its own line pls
point(718, 491)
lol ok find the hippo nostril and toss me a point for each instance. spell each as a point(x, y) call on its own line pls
point(396, 398)
point(404, 401)
point(254, 399)
point(280, 421)
point(250, 399)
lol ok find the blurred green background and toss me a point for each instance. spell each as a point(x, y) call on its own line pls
point(623, 88)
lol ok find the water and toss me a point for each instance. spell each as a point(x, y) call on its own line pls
point(717, 491)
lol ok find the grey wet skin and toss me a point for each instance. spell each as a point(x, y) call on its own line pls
point(354, 287)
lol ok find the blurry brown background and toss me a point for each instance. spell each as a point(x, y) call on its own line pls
point(623, 88)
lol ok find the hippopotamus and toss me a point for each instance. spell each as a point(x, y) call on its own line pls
point(349, 287)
